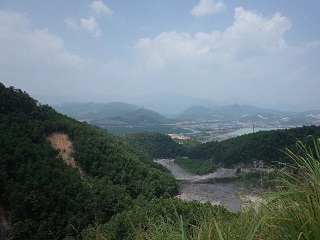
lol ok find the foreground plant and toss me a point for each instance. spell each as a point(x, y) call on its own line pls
point(296, 209)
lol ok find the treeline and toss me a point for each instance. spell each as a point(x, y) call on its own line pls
point(44, 197)
point(156, 145)
point(265, 145)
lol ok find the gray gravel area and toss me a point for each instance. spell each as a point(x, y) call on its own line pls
point(195, 188)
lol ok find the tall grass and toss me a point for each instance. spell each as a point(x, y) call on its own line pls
point(246, 225)
point(296, 207)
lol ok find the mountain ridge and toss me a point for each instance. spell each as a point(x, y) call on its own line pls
point(126, 114)
point(237, 112)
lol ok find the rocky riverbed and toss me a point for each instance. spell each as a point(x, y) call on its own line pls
point(215, 193)
point(203, 189)
point(182, 175)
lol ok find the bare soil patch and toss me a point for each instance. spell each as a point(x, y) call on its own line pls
point(5, 223)
point(62, 143)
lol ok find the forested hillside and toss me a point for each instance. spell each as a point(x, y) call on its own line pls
point(266, 145)
point(44, 198)
point(156, 145)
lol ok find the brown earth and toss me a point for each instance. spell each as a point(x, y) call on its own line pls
point(5, 223)
point(62, 143)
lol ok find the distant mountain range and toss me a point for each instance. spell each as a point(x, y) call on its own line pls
point(117, 113)
point(247, 113)
point(114, 113)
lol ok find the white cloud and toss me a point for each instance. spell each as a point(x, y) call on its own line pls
point(38, 61)
point(208, 7)
point(250, 35)
point(34, 59)
point(21, 43)
point(248, 59)
point(100, 8)
point(90, 25)
point(71, 23)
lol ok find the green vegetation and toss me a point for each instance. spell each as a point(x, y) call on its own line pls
point(45, 198)
point(266, 146)
point(293, 212)
point(296, 208)
point(195, 166)
point(156, 145)
point(160, 219)
point(255, 182)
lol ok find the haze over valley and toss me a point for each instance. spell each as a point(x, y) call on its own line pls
point(215, 123)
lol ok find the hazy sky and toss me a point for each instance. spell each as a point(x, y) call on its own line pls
point(262, 52)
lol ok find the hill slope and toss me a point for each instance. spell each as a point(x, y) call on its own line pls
point(156, 145)
point(265, 145)
point(47, 199)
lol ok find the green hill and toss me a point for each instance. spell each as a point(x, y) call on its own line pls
point(113, 113)
point(41, 197)
point(139, 116)
point(156, 145)
point(265, 145)
point(247, 113)
point(94, 111)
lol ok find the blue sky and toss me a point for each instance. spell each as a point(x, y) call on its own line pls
point(264, 53)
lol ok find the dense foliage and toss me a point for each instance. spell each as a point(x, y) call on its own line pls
point(267, 146)
point(47, 199)
point(156, 145)
point(138, 222)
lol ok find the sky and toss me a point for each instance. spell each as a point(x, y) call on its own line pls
point(263, 53)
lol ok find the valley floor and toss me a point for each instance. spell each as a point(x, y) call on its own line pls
point(204, 188)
